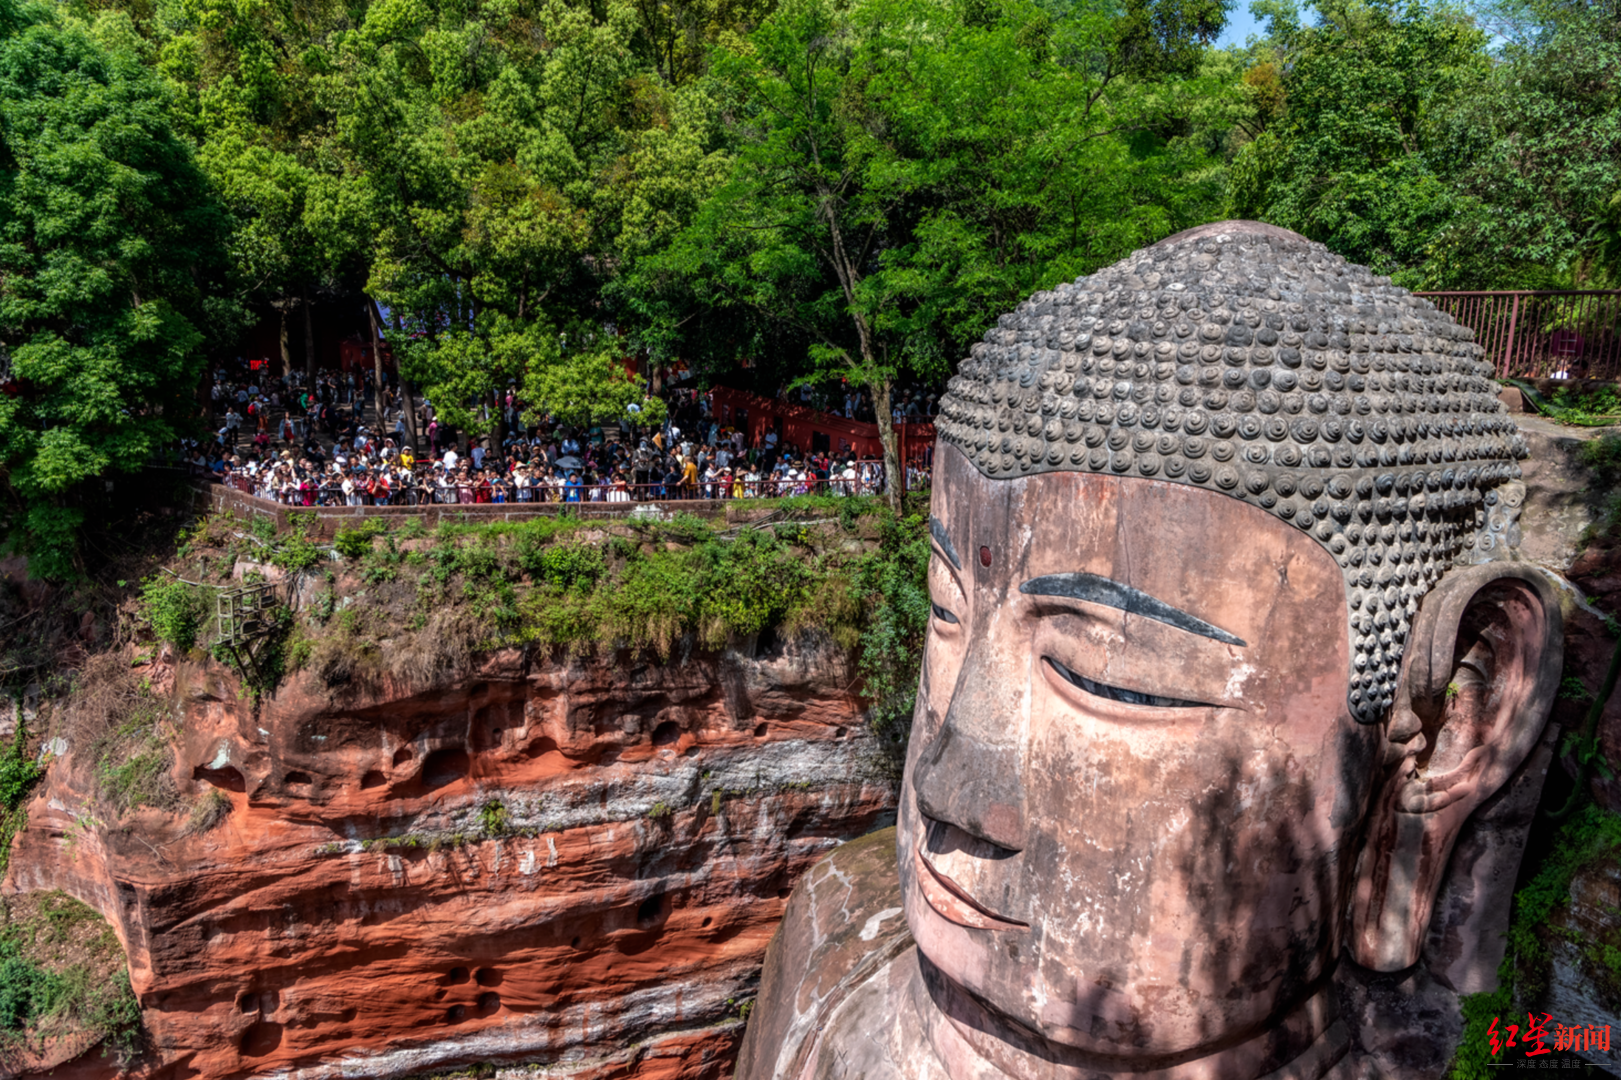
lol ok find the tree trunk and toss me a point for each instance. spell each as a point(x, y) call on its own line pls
point(309, 340)
point(407, 398)
point(376, 361)
point(893, 478)
point(286, 351)
point(879, 380)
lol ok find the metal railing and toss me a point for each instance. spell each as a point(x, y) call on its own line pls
point(332, 495)
point(1575, 335)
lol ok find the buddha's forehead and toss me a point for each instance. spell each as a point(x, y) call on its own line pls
point(1213, 557)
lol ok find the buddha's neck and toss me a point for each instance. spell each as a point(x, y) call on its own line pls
point(971, 1043)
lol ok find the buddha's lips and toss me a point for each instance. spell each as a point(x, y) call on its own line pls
point(952, 902)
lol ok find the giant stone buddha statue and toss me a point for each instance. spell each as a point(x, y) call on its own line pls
point(1228, 649)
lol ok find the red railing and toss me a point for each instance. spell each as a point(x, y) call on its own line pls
point(1573, 335)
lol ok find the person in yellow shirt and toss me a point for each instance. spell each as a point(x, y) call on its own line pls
point(407, 458)
point(689, 479)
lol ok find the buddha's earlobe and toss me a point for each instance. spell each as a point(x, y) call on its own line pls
point(1478, 679)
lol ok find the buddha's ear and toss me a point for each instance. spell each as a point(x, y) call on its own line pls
point(1481, 669)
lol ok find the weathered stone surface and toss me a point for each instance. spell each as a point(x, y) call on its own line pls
point(843, 925)
point(1559, 497)
point(1466, 940)
point(652, 821)
point(1201, 717)
point(1584, 981)
point(1562, 522)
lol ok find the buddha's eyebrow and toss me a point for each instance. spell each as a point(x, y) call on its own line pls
point(938, 531)
point(1102, 590)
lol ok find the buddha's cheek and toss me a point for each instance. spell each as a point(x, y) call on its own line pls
point(1182, 883)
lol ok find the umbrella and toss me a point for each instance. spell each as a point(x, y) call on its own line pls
point(568, 461)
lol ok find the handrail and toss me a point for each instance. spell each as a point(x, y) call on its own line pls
point(330, 495)
point(1541, 333)
point(1520, 292)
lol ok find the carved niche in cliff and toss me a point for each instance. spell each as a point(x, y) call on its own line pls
point(1229, 649)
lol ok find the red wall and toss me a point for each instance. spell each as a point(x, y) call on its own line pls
point(799, 423)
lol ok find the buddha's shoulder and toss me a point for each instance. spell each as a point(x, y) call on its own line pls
point(843, 927)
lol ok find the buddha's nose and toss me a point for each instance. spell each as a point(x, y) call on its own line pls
point(969, 775)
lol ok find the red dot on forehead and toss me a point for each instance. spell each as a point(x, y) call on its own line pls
point(984, 555)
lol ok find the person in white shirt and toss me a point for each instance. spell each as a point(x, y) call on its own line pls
point(451, 459)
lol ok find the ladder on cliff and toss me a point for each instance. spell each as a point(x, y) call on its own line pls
point(246, 616)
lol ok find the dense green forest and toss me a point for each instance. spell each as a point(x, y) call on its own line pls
point(803, 188)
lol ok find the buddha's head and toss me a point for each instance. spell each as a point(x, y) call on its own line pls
point(1223, 653)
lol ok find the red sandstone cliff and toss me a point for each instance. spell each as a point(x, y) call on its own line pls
point(587, 860)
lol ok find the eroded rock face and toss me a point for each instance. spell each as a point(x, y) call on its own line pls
point(571, 862)
point(1584, 987)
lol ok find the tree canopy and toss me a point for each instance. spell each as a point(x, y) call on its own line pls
point(1393, 132)
point(528, 193)
point(110, 241)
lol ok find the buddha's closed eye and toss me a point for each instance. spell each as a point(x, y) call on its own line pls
point(1115, 693)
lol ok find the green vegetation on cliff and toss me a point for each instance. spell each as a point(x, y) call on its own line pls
point(62, 976)
point(1589, 838)
point(399, 602)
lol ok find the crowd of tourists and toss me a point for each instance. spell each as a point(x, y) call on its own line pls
point(322, 442)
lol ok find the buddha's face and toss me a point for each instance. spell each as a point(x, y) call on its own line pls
point(1134, 787)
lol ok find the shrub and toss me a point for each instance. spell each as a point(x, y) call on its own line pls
point(567, 566)
point(296, 552)
point(747, 585)
point(1589, 836)
point(494, 819)
point(175, 611)
point(18, 773)
point(355, 542)
point(210, 810)
point(25, 992)
point(894, 583)
point(62, 973)
point(1585, 405)
point(382, 563)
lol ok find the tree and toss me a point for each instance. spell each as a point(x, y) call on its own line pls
point(1541, 150)
point(590, 386)
point(1364, 153)
point(479, 176)
point(903, 171)
point(250, 85)
point(110, 239)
